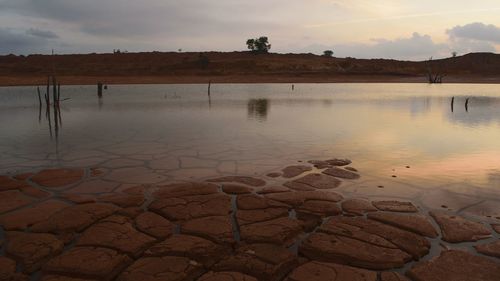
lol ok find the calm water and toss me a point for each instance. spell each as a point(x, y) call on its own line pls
point(177, 133)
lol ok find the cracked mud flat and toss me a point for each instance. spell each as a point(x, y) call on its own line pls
point(296, 224)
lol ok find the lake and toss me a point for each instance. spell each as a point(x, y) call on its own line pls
point(406, 140)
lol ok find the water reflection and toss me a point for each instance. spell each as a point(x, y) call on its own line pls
point(258, 109)
point(477, 111)
point(100, 103)
point(494, 178)
point(375, 125)
point(420, 106)
point(52, 110)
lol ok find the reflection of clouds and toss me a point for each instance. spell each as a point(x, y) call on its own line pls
point(481, 111)
point(380, 126)
point(494, 178)
point(415, 105)
point(419, 106)
point(483, 165)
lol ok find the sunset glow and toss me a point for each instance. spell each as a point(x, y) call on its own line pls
point(392, 29)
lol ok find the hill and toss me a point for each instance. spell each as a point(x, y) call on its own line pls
point(237, 67)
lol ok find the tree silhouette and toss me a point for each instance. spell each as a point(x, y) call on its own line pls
point(328, 53)
point(259, 45)
point(435, 72)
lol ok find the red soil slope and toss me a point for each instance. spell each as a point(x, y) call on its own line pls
point(236, 67)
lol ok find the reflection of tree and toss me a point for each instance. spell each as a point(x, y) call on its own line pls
point(56, 100)
point(258, 109)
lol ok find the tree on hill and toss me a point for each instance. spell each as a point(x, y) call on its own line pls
point(259, 45)
point(328, 53)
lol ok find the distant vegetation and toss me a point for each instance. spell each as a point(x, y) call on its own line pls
point(118, 51)
point(435, 73)
point(203, 61)
point(259, 45)
point(328, 53)
point(238, 67)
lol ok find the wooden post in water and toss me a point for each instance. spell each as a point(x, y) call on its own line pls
point(54, 91)
point(452, 103)
point(58, 100)
point(99, 89)
point(209, 87)
point(467, 105)
point(47, 109)
point(39, 96)
point(56, 119)
point(48, 89)
point(47, 102)
point(47, 97)
point(39, 104)
point(56, 106)
point(58, 93)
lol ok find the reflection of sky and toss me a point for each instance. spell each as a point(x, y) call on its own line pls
point(481, 111)
point(380, 125)
point(494, 177)
point(420, 106)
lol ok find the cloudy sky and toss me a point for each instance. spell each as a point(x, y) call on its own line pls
point(401, 29)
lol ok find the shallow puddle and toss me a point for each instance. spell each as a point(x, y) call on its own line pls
point(255, 182)
point(408, 140)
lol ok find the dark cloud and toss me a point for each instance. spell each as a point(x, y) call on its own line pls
point(18, 42)
point(191, 25)
point(416, 47)
point(474, 37)
point(197, 25)
point(42, 33)
point(475, 31)
point(23, 42)
point(131, 18)
point(465, 46)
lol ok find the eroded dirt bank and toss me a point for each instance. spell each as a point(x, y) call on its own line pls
point(238, 67)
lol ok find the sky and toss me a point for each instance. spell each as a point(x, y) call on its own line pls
point(395, 29)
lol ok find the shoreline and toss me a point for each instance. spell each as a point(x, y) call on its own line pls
point(239, 67)
point(7, 81)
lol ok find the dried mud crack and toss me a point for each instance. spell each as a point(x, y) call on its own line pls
point(240, 228)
